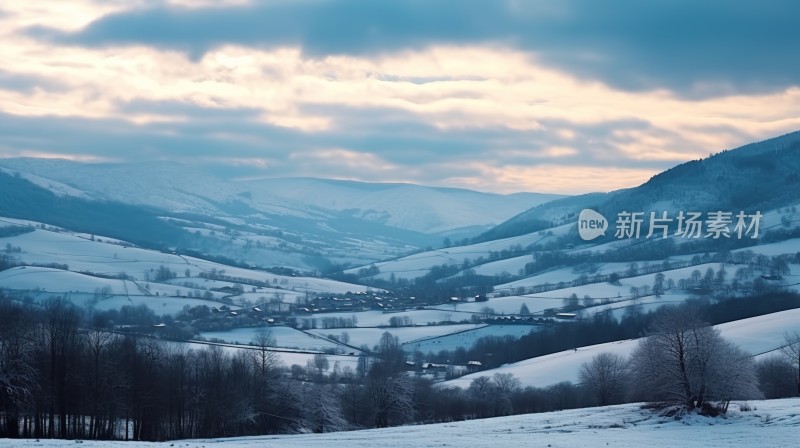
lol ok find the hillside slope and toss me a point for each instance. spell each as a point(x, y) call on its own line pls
point(178, 188)
point(758, 176)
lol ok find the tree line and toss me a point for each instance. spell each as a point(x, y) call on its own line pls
point(62, 376)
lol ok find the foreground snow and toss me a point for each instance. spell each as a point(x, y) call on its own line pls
point(772, 423)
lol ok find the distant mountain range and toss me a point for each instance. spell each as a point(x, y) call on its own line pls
point(322, 224)
point(303, 223)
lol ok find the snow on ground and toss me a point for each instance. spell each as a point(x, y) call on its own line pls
point(159, 304)
point(565, 275)
point(285, 356)
point(756, 335)
point(102, 256)
point(605, 289)
point(782, 247)
point(506, 305)
point(371, 336)
point(645, 304)
point(512, 266)
point(770, 423)
point(418, 317)
point(467, 338)
point(761, 334)
point(55, 280)
point(82, 253)
point(284, 337)
point(418, 264)
point(550, 369)
point(82, 290)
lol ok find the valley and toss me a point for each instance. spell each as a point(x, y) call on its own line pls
point(523, 313)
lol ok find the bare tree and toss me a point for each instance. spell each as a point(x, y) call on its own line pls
point(506, 383)
point(687, 362)
point(791, 352)
point(18, 376)
point(390, 353)
point(101, 378)
point(264, 358)
point(392, 394)
point(319, 363)
point(605, 377)
point(658, 284)
point(735, 376)
point(505, 387)
point(776, 377)
point(571, 303)
point(481, 387)
point(61, 335)
point(321, 407)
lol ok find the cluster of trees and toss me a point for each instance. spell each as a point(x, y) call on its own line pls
point(336, 322)
point(400, 321)
point(685, 364)
point(62, 377)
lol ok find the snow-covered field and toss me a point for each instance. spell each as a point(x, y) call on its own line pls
point(371, 336)
point(317, 339)
point(418, 317)
point(285, 337)
point(782, 247)
point(419, 264)
point(605, 289)
point(467, 338)
point(756, 335)
point(644, 304)
point(285, 357)
point(770, 423)
point(91, 259)
point(506, 305)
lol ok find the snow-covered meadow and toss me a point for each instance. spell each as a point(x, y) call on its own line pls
point(766, 423)
point(467, 338)
point(757, 335)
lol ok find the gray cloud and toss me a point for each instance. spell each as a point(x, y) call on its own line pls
point(28, 82)
point(417, 152)
point(696, 49)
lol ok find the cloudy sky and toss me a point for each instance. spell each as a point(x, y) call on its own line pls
point(562, 96)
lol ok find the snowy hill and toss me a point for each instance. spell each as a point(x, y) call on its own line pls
point(757, 335)
point(405, 206)
point(766, 423)
point(298, 223)
point(757, 176)
point(79, 266)
point(176, 187)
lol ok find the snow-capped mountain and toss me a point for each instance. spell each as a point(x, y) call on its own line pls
point(175, 187)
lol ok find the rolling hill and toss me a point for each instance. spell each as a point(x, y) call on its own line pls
point(759, 176)
point(309, 223)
